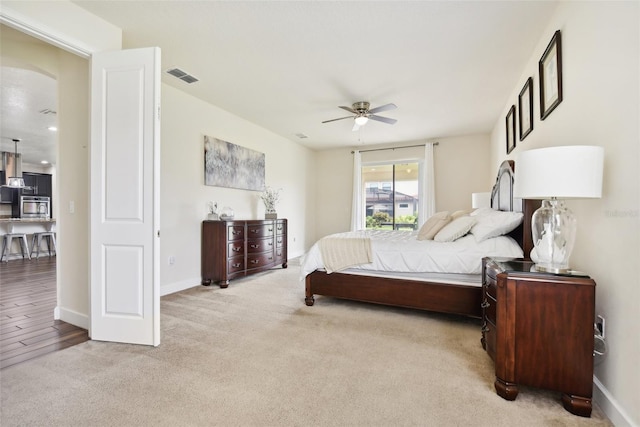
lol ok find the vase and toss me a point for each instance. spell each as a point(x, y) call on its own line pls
point(270, 214)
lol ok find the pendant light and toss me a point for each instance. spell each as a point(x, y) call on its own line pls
point(15, 181)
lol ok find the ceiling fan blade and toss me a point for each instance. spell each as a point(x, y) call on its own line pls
point(349, 109)
point(382, 119)
point(356, 127)
point(341, 118)
point(381, 108)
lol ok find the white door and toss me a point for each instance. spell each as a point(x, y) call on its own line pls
point(125, 205)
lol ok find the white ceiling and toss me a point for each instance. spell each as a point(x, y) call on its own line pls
point(449, 66)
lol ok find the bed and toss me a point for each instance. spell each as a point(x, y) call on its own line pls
point(445, 292)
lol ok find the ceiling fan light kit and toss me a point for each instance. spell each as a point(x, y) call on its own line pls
point(362, 114)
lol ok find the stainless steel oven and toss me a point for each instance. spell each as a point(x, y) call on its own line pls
point(35, 207)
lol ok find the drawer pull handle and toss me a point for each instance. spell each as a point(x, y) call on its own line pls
point(254, 261)
point(270, 230)
point(485, 328)
point(236, 232)
point(270, 243)
point(236, 249)
point(236, 265)
point(255, 246)
point(255, 231)
point(485, 304)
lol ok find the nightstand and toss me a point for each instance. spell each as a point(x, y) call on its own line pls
point(538, 329)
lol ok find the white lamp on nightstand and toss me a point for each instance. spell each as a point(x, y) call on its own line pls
point(554, 174)
point(480, 200)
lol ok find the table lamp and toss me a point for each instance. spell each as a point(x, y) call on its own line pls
point(554, 174)
point(480, 200)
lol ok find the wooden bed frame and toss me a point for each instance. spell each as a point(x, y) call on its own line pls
point(432, 296)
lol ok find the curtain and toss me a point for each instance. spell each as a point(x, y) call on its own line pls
point(357, 216)
point(428, 199)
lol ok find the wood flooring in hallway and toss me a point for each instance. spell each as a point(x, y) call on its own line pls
point(27, 300)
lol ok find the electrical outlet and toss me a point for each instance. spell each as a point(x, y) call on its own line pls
point(600, 323)
point(172, 260)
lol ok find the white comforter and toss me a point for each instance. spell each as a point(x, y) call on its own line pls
point(400, 251)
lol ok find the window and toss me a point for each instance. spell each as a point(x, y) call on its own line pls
point(391, 195)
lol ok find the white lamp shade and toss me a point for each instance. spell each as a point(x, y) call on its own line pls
point(570, 172)
point(480, 200)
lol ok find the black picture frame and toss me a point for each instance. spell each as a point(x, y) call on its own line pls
point(511, 129)
point(525, 109)
point(550, 71)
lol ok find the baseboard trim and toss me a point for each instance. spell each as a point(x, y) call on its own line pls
point(73, 317)
point(180, 286)
point(610, 406)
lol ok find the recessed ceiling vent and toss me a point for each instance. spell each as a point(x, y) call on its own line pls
point(182, 75)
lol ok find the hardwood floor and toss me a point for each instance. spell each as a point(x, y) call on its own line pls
point(27, 300)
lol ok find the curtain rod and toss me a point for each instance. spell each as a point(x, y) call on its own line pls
point(395, 148)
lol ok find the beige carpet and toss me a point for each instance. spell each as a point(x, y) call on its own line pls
point(254, 355)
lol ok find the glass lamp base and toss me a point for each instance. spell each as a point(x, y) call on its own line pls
point(553, 229)
point(552, 269)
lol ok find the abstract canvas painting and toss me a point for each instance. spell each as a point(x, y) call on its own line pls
point(232, 166)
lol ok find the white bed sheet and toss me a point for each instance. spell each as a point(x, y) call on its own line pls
point(401, 251)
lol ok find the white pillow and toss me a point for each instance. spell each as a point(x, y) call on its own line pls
point(434, 224)
point(455, 229)
point(491, 223)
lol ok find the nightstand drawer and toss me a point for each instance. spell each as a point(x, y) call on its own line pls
point(489, 305)
point(490, 285)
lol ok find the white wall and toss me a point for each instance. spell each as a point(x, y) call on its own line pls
point(461, 167)
point(600, 48)
point(71, 177)
point(184, 197)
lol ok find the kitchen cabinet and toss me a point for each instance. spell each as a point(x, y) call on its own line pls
point(40, 183)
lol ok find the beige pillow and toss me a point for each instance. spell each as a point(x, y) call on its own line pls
point(458, 214)
point(434, 224)
point(455, 229)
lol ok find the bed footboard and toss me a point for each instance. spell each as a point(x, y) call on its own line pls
point(431, 296)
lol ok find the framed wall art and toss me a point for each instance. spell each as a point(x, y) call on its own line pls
point(525, 109)
point(550, 70)
point(232, 166)
point(511, 129)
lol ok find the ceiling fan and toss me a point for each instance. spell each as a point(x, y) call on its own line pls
point(363, 114)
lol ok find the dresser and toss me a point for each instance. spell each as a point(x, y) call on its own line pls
point(237, 248)
point(538, 329)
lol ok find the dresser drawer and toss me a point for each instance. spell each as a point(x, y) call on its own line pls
point(235, 248)
point(259, 245)
point(254, 231)
point(279, 241)
point(280, 228)
point(235, 264)
point(235, 232)
point(256, 261)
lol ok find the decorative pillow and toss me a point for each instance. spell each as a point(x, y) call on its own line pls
point(491, 223)
point(455, 229)
point(434, 224)
point(458, 214)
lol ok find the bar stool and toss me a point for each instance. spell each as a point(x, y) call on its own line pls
point(36, 242)
point(6, 245)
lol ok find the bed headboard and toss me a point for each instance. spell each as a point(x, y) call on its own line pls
point(502, 199)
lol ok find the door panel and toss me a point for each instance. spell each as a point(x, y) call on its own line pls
point(125, 153)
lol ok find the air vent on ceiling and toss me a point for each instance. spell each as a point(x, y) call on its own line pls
point(182, 75)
